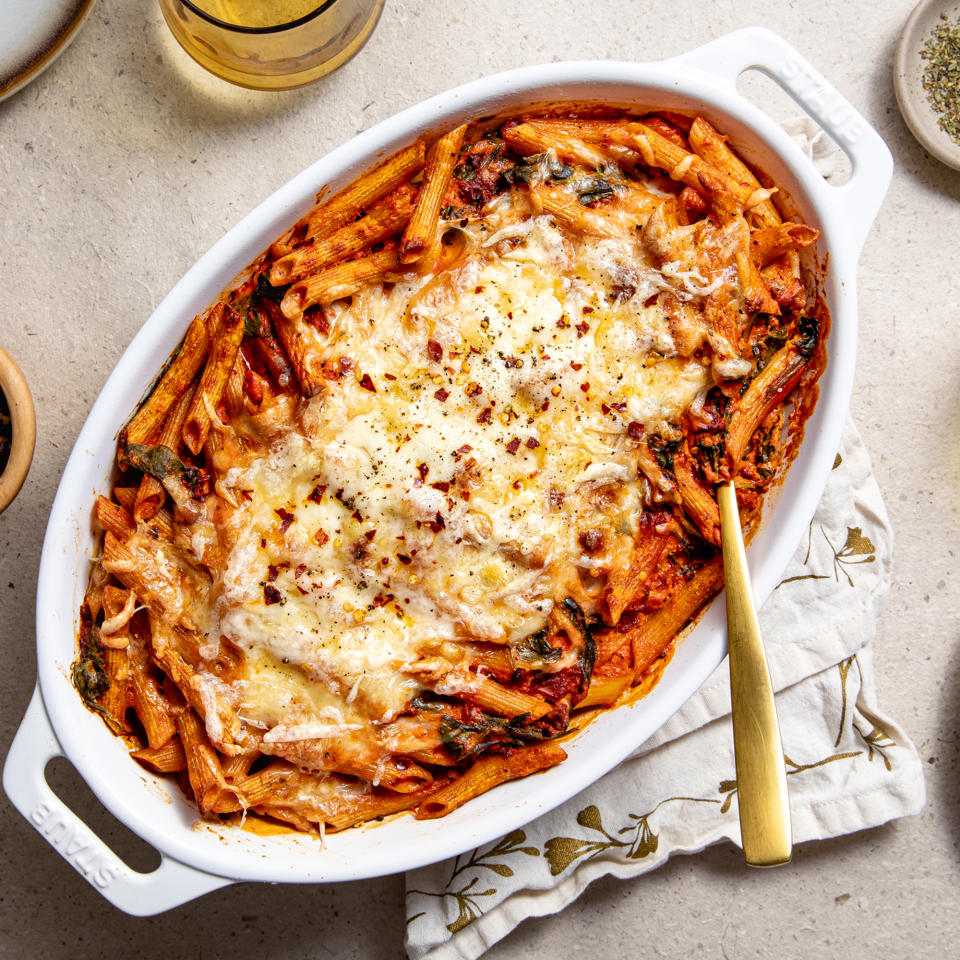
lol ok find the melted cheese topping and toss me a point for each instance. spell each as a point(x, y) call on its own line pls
point(445, 486)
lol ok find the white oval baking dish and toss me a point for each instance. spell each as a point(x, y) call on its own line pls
point(197, 859)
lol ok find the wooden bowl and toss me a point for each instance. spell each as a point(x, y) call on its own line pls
point(13, 384)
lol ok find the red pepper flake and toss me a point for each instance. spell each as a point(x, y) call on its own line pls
point(370, 534)
point(619, 406)
point(651, 300)
point(485, 415)
point(576, 366)
point(434, 351)
point(320, 537)
point(272, 572)
point(286, 518)
point(403, 558)
point(301, 570)
point(563, 322)
point(478, 289)
point(271, 595)
point(382, 599)
point(422, 470)
point(635, 430)
point(556, 498)
point(389, 376)
point(604, 409)
point(509, 314)
point(514, 445)
point(587, 310)
point(516, 484)
point(316, 494)
point(545, 406)
point(582, 329)
point(441, 395)
point(437, 524)
point(367, 383)
point(442, 485)
point(472, 389)
point(585, 387)
point(532, 443)
point(357, 515)
point(466, 448)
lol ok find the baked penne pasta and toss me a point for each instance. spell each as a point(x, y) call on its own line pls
point(438, 474)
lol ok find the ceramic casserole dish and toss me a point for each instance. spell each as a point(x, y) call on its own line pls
point(197, 859)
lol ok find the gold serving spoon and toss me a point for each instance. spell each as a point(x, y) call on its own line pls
point(764, 802)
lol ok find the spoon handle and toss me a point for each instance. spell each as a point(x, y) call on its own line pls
point(761, 774)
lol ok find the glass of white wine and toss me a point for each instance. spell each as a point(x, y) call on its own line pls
point(271, 44)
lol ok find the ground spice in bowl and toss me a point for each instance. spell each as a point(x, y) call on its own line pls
point(6, 432)
point(941, 75)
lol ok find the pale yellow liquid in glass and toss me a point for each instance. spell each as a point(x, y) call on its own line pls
point(272, 59)
point(257, 13)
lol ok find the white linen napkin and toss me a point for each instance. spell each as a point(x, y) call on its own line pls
point(849, 765)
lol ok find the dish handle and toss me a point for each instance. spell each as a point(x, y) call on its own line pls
point(756, 48)
point(139, 894)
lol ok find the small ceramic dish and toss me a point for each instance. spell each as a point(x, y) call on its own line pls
point(22, 432)
point(908, 68)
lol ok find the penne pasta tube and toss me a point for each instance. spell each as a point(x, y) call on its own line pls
point(118, 608)
point(565, 206)
point(298, 344)
point(422, 229)
point(115, 700)
point(169, 758)
point(148, 420)
point(648, 638)
point(632, 568)
point(696, 500)
point(782, 277)
point(203, 767)
point(376, 805)
point(530, 138)
point(213, 381)
point(233, 393)
point(657, 151)
point(151, 494)
point(348, 204)
point(604, 691)
point(152, 707)
point(488, 772)
point(114, 519)
point(275, 360)
point(386, 218)
point(339, 281)
point(769, 242)
point(126, 497)
point(766, 391)
point(667, 130)
point(707, 143)
point(475, 688)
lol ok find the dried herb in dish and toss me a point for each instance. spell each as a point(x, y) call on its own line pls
point(941, 76)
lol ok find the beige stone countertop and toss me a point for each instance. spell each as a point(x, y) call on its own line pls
point(124, 162)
